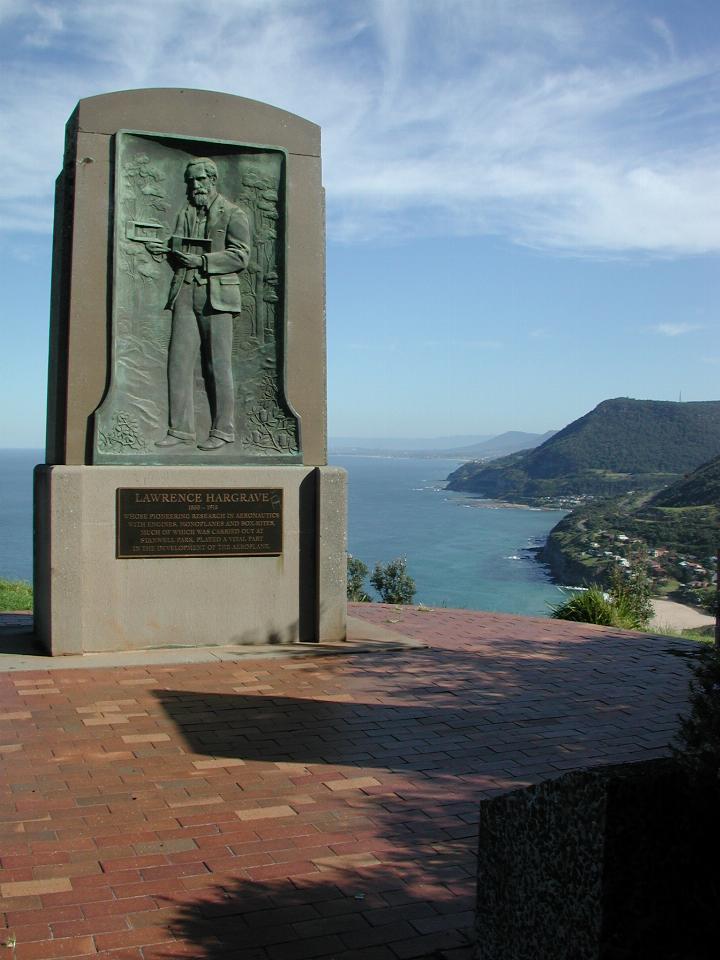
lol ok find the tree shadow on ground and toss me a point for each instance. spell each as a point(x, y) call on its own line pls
point(364, 914)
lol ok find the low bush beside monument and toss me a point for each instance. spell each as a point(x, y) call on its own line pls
point(15, 595)
point(391, 580)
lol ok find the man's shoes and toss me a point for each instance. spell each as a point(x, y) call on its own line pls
point(213, 443)
point(171, 441)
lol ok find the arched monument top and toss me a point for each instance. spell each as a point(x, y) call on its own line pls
point(199, 113)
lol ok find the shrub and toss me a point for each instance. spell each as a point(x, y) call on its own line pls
point(699, 733)
point(627, 604)
point(590, 606)
point(392, 581)
point(630, 592)
point(707, 597)
point(356, 573)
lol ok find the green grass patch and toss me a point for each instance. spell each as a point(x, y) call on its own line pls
point(15, 595)
point(699, 634)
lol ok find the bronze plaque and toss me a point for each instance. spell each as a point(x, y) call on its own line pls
point(233, 227)
point(199, 522)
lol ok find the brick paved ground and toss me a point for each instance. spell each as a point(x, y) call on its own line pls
point(321, 807)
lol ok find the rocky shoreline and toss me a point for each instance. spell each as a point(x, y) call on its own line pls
point(562, 568)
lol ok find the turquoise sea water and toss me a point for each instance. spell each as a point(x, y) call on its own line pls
point(460, 554)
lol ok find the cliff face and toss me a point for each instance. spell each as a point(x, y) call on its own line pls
point(563, 567)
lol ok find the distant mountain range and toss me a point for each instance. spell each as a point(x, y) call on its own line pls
point(622, 445)
point(506, 443)
point(482, 448)
point(389, 444)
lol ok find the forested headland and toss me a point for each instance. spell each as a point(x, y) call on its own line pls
point(642, 479)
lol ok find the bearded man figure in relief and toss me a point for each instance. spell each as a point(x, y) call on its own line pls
point(209, 249)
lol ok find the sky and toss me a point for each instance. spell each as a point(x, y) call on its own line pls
point(523, 196)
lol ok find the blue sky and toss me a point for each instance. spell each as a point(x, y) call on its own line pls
point(523, 196)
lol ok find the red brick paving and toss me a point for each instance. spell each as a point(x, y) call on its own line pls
point(283, 809)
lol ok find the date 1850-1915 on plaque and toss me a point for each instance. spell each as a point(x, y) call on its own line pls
point(199, 522)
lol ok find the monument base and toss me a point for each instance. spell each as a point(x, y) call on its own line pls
point(89, 600)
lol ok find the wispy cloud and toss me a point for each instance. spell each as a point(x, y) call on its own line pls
point(664, 32)
point(46, 24)
point(676, 329)
point(576, 126)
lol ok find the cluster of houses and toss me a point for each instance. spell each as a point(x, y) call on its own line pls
point(692, 574)
point(566, 502)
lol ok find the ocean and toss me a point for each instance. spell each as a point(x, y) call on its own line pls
point(461, 552)
point(16, 497)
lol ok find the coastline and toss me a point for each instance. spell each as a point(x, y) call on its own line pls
point(669, 614)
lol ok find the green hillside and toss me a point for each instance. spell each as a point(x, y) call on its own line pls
point(622, 445)
point(678, 526)
point(700, 488)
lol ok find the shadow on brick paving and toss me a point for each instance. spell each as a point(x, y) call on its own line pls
point(364, 915)
point(519, 713)
point(437, 731)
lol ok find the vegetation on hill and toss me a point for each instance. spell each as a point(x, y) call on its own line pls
point(676, 532)
point(622, 445)
point(700, 488)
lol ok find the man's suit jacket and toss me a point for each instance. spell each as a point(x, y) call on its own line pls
point(228, 228)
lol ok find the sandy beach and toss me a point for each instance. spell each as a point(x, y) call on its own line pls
point(678, 617)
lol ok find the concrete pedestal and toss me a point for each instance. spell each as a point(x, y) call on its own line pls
point(87, 600)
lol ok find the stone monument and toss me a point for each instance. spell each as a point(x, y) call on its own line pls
point(186, 498)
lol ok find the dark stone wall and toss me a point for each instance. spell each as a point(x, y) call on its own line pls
point(612, 863)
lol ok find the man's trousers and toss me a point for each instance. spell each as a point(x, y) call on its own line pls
point(194, 327)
